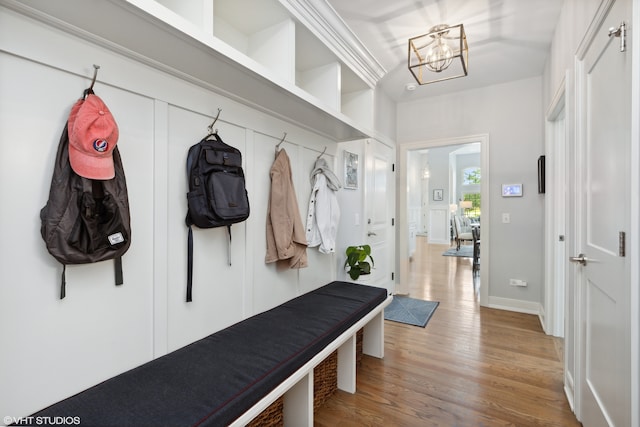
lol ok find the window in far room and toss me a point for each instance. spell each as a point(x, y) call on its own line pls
point(474, 211)
point(471, 178)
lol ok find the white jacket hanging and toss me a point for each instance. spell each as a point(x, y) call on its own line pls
point(324, 212)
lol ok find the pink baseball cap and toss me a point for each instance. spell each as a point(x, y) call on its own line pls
point(93, 134)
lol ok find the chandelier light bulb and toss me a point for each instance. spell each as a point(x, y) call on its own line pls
point(438, 56)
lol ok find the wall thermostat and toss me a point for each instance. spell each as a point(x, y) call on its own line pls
point(511, 190)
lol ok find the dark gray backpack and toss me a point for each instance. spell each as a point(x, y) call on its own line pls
point(217, 195)
point(84, 220)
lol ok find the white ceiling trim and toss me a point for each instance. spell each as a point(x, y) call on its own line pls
point(323, 21)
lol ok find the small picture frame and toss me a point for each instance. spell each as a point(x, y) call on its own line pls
point(437, 195)
point(350, 170)
point(511, 190)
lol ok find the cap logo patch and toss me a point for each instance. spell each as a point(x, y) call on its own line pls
point(100, 145)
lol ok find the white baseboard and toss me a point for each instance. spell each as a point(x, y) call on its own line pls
point(569, 390)
point(516, 305)
point(542, 315)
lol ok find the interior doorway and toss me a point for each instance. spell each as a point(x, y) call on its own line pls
point(555, 176)
point(442, 182)
point(428, 191)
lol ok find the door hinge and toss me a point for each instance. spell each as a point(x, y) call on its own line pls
point(393, 222)
point(393, 167)
point(392, 275)
point(622, 237)
point(621, 32)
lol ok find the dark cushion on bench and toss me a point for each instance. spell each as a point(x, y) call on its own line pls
point(213, 381)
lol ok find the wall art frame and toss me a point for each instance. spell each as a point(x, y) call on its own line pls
point(350, 170)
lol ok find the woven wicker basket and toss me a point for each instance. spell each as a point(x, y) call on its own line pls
point(359, 337)
point(325, 380)
point(325, 383)
point(270, 417)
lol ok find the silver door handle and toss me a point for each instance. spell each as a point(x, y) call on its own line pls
point(621, 32)
point(580, 259)
point(371, 233)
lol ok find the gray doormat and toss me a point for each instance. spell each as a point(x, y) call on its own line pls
point(411, 311)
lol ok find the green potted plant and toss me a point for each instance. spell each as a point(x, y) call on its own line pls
point(357, 260)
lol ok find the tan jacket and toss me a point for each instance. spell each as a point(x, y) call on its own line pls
point(285, 233)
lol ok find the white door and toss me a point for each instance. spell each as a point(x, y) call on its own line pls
point(380, 202)
point(603, 191)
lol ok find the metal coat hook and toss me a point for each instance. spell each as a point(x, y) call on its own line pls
point(93, 81)
point(323, 151)
point(210, 127)
point(281, 141)
point(95, 75)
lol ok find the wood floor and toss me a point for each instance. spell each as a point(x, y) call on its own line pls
point(470, 366)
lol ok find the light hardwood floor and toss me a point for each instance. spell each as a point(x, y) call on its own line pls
point(470, 366)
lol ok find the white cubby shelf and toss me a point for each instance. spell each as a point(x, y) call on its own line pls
point(259, 52)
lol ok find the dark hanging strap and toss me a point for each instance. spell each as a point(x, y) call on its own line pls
point(190, 260)
point(97, 191)
point(118, 271)
point(229, 246)
point(63, 278)
point(63, 282)
point(189, 264)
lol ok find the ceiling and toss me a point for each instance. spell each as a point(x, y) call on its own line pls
point(508, 39)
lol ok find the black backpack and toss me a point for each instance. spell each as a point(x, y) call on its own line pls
point(85, 220)
point(217, 195)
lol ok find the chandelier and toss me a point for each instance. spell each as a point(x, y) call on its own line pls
point(441, 54)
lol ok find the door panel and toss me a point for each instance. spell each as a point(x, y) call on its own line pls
point(604, 212)
point(380, 201)
point(608, 125)
point(439, 226)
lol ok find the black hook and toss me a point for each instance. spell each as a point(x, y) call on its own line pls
point(93, 80)
point(210, 127)
point(281, 141)
point(95, 75)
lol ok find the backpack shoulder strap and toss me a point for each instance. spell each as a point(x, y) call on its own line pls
point(229, 246)
point(190, 265)
point(63, 282)
point(190, 158)
point(118, 271)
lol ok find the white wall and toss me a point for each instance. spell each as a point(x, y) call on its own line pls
point(54, 348)
point(511, 114)
point(575, 17)
point(414, 197)
point(439, 214)
point(439, 162)
point(425, 196)
point(385, 117)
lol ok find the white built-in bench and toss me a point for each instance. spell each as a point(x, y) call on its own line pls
point(233, 375)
